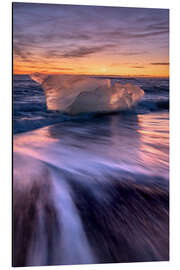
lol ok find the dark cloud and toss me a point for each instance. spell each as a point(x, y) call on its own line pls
point(137, 66)
point(52, 67)
point(133, 53)
point(21, 52)
point(84, 51)
point(162, 26)
point(160, 64)
point(120, 34)
point(149, 34)
point(57, 68)
point(58, 36)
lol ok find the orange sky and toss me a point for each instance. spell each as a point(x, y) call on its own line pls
point(95, 69)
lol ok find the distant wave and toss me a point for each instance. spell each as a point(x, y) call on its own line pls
point(40, 118)
point(153, 105)
point(79, 94)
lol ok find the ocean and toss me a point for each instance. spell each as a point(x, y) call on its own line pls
point(29, 103)
point(90, 188)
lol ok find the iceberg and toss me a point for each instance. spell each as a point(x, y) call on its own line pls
point(74, 94)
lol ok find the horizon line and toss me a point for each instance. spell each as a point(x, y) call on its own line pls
point(98, 75)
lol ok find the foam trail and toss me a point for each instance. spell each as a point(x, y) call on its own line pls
point(80, 94)
point(94, 196)
point(47, 226)
point(74, 245)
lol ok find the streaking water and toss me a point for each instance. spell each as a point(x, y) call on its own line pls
point(72, 232)
point(135, 143)
point(92, 189)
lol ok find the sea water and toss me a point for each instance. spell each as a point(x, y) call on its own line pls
point(90, 188)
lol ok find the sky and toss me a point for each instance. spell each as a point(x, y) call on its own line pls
point(73, 39)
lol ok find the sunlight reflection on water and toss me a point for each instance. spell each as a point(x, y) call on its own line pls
point(136, 143)
point(79, 187)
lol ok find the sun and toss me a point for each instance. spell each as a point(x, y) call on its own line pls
point(103, 69)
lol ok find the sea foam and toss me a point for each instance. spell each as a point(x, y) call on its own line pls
point(74, 94)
